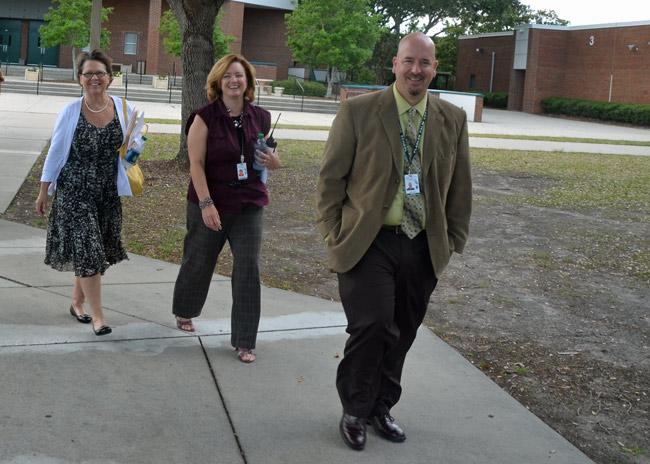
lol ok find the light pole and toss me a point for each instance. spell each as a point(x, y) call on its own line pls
point(41, 65)
point(494, 54)
point(5, 48)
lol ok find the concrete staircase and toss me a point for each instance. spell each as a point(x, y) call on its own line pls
point(60, 82)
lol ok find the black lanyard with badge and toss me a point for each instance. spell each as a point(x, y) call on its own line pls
point(242, 170)
point(412, 181)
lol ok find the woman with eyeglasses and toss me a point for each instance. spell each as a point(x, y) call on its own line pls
point(83, 172)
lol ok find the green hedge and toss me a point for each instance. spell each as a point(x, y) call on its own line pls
point(312, 89)
point(630, 113)
point(495, 99)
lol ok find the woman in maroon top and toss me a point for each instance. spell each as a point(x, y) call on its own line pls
point(225, 200)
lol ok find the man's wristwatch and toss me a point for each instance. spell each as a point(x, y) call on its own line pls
point(207, 202)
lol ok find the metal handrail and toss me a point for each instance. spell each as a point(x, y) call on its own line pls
point(258, 98)
point(302, 102)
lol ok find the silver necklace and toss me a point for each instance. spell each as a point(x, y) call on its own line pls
point(96, 111)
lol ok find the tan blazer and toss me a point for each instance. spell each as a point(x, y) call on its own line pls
point(362, 169)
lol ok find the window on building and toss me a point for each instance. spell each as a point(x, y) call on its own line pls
point(130, 43)
point(472, 82)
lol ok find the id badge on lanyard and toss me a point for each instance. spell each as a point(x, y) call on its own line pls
point(411, 184)
point(412, 181)
point(242, 170)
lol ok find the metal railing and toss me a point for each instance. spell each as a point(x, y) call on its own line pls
point(302, 89)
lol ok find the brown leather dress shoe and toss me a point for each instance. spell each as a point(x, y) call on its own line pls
point(353, 431)
point(386, 427)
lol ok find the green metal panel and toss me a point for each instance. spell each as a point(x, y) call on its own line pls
point(51, 55)
point(10, 40)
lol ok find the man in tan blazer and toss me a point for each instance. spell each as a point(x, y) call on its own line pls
point(394, 201)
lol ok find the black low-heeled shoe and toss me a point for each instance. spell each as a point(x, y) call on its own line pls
point(103, 330)
point(84, 318)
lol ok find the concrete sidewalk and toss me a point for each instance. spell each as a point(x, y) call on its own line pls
point(149, 393)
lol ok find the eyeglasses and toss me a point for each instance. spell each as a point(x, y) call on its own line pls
point(98, 74)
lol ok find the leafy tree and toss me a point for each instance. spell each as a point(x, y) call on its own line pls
point(405, 16)
point(447, 48)
point(401, 17)
point(338, 34)
point(445, 20)
point(69, 24)
point(171, 34)
point(481, 16)
point(196, 19)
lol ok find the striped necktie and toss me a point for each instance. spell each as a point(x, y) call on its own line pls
point(413, 214)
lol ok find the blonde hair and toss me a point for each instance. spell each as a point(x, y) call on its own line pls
point(213, 82)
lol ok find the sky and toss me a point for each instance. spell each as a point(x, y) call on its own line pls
point(588, 12)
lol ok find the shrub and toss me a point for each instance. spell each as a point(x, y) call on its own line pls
point(495, 99)
point(620, 112)
point(291, 87)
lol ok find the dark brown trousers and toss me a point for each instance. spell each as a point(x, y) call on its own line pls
point(385, 298)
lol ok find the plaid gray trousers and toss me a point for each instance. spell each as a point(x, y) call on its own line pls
point(201, 249)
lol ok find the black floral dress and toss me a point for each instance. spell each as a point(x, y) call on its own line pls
point(85, 224)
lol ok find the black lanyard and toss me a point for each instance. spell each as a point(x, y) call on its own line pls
point(410, 157)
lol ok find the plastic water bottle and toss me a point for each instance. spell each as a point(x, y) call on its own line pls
point(132, 155)
point(261, 146)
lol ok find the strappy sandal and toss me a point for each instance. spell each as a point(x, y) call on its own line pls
point(185, 325)
point(245, 355)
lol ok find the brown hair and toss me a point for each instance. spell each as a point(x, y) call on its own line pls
point(95, 55)
point(2, 79)
point(213, 82)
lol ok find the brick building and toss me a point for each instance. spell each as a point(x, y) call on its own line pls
point(258, 27)
point(604, 62)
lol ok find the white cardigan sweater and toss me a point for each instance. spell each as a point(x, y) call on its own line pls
point(64, 128)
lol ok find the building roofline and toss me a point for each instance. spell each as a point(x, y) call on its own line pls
point(586, 26)
point(487, 34)
point(558, 28)
point(269, 4)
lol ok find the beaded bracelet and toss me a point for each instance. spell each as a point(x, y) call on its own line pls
point(207, 202)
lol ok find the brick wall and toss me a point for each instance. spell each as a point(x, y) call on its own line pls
point(350, 91)
point(516, 91)
point(232, 24)
point(265, 39)
point(479, 63)
point(24, 39)
point(607, 57)
point(545, 67)
point(590, 64)
point(260, 36)
point(265, 71)
point(143, 19)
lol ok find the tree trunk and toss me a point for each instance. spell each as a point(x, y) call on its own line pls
point(74, 63)
point(95, 24)
point(331, 72)
point(196, 22)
